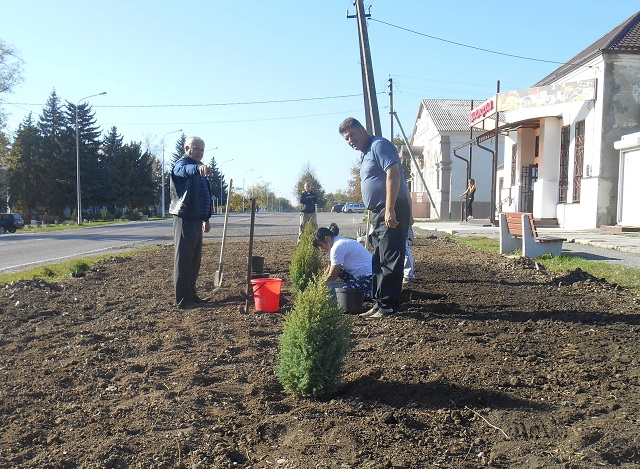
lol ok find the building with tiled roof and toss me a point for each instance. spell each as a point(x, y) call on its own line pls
point(560, 136)
point(441, 125)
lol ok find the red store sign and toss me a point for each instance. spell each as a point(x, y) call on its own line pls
point(483, 111)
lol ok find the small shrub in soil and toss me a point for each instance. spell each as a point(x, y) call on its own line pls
point(79, 268)
point(305, 263)
point(314, 343)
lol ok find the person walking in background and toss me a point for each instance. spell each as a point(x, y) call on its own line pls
point(470, 193)
point(409, 269)
point(349, 260)
point(191, 210)
point(308, 200)
point(385, 193)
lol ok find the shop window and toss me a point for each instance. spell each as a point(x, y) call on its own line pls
point(565, 140)
point(578, 164)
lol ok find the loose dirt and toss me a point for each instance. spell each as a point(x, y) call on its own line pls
point(492, 362)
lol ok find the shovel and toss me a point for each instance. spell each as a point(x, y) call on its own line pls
point(249, 294)
point(217, 279)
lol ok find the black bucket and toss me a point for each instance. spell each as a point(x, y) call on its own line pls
point(255, 275)
point(257, 264)
point(350, 299)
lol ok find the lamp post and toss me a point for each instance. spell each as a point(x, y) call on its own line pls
point(219, 204)
point(168, 133)
point(244, 192)
point(79, 194)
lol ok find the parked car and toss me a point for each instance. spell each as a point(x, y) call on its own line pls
point(351, 207)
point(337, 208)
point(11, 222)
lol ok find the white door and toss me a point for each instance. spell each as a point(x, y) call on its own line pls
point(630, 215)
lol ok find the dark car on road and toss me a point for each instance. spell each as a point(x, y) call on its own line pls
point(11, 222)
point(337, 208)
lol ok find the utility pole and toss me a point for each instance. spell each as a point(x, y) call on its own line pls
point(494, 165)
point(368, 83)
point(391, 108)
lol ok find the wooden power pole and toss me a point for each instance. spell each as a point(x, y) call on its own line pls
point(368, 83)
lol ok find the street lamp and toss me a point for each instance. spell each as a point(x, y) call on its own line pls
point(79, 196)
point(168, 133)
point(225, 161)
point(243, 189)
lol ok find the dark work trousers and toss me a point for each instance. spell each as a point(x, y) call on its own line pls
point(470, 207)
point(187, 255)
point(389, 246)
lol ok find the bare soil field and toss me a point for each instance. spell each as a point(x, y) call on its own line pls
point(490, 363)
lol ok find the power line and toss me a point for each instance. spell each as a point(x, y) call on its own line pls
point(275, 101)
point(244, 120)
point(467, 45)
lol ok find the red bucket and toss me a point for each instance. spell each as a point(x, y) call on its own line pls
point(266, 294)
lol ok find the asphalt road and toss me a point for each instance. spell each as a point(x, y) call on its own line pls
point(26, 249)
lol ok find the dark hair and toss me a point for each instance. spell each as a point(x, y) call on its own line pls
point(322, 233)
point(349, 123)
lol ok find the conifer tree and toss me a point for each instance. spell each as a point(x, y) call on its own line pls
point(132, 176)
point(111, 145)
point(22, 175)
point(56, 187)
point(178, 151)
point(91, 172)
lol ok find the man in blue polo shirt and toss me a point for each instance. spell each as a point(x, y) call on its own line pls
point(385, 193)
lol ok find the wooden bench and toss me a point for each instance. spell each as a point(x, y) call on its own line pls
point(518, 231)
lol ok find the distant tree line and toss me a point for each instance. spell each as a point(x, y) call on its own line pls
point(40, 167)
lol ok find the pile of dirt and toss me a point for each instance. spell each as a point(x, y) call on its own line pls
point(491, 363)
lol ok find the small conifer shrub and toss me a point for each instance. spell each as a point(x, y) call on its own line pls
point(314, 343)
point(305, 262)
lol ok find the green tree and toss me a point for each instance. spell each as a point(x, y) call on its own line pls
point(354, 192)
point(216, 179)
point(314, 343)
point(308, 175)
point(132, 176)
point(21, 177)
point(56, 187)
point(262, 193)
point(111, 146)
point(398, 141)
point(337, 197)
point(305, 262)
point(178, 151)
point(92, 172)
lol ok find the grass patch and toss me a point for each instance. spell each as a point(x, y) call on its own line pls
point(64, 270)
point(70, 225)
point(479, 242)
point(621, 275)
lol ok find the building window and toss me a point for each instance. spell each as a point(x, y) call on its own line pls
point(514, 155)
point(578, 164)
point(565, 140)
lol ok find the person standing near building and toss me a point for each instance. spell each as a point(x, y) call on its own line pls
point(385, 193)
point(191, 210)
point(470, 193)
point(308, 201)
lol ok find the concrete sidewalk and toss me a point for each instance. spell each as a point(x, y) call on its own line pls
point(625, 242)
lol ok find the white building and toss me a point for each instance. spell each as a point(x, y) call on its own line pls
point(560, 162)
point(441, 173)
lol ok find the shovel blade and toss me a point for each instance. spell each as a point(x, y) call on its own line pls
point(217, 278)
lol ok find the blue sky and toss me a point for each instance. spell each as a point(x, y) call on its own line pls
point(266, 83)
